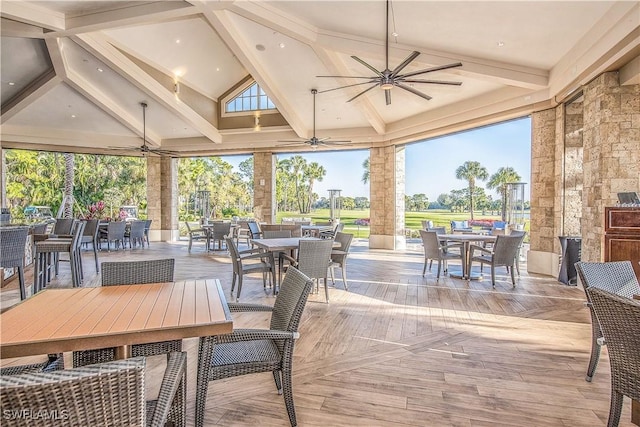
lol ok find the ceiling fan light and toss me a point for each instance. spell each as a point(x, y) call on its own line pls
point(386, 86)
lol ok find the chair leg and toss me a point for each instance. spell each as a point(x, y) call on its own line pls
point(615, 408)
point(493, 276)
point(23, 290)
point(333, 277)
point(95, 255)
point(424, 268)
point(513, 277)
point(239, 286)
point(288, 395)
point(439, 268)
point(326, 288)
point(278, 381)
point(595, 350)
point(205, 351)
point(344, 275)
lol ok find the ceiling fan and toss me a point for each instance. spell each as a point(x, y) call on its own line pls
point(144, 148)
point(387, 79)
point(313, 141)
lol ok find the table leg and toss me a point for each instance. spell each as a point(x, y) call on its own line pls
point(123, 352)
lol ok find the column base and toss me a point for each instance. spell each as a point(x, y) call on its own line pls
point(384, 241)
point(547, 263)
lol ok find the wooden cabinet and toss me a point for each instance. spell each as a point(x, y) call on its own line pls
point(622, 235)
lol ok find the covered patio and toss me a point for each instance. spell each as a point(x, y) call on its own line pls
point(400, 349)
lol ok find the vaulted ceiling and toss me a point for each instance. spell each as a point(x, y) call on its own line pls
point(75, 72)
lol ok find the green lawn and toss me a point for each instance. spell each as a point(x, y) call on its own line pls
point(440, 218)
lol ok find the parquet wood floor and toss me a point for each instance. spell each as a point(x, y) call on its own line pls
point(402, 349)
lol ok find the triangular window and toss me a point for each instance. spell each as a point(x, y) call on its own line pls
point(252, 98)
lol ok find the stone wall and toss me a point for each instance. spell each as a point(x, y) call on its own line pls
point(543, 191)
point(264, 187)
point(611, 154)
point(387, 180)
point(162, 198)
point(573, 170)
point(576, 174)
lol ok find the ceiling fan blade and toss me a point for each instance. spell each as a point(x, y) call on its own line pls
point(350, 77)
point(378, 73)
point(300, 141)
point(164, 152)
point(404, 63)
point(387, 96)
point(429, 70)
point(413, 91)
point(335, 142)
point(363, 92)
point(342, 87)
point(434, 82)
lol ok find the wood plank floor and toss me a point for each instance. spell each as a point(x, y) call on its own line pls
point(402, 349)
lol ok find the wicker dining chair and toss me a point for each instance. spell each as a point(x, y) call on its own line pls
point(90, 236)
point(114, 233)
point(314, 257)
point(13, 242)
point(619, 318)
point(503, 254)
point(249, 261)
point(219, 232)
point(339, 256)
point(132, 273)
point(196, 234)
point(47, 256)
point(248, 351)
point(616, 277)
point(111, 393)
point(435, 250)
point(135, 234)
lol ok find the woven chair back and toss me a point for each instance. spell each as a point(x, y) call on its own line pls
point(290, 302)
point(90, 404)
point(314, 257)
point(12, 246)
point(619, 318)
point(506, 249)
point(137, 272)
point(616, 277)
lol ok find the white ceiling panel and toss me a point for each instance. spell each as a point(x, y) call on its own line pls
point(188, 49)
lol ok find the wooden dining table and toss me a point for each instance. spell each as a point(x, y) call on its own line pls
point(466, 240)
point(59, 320)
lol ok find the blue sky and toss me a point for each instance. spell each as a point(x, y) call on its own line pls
point(431, 164)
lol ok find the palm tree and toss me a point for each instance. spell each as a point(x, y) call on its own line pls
point(470, 171)
point(298, 164)
point(312, 173)
point(367, 171)
point(67, 199)
point(499, 181)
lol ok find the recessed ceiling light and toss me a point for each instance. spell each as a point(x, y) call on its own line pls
point(260, 47)
point(11, 83)
point(281, 45)
point(500, 43)
point(338, 118)
point(99, 69)
point(73, 116)
point(178, 41)
point(217, 68)
point(394, 34)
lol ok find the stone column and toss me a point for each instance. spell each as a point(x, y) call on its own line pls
point(3, 179)
point(162, 198)
point(611, 154)
point(542, 258)
point(387, 179)
point(264, 187)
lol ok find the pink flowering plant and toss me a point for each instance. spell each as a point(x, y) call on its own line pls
point(362, 221)
point(95, 210)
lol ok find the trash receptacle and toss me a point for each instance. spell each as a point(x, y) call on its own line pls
point(571, 249)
